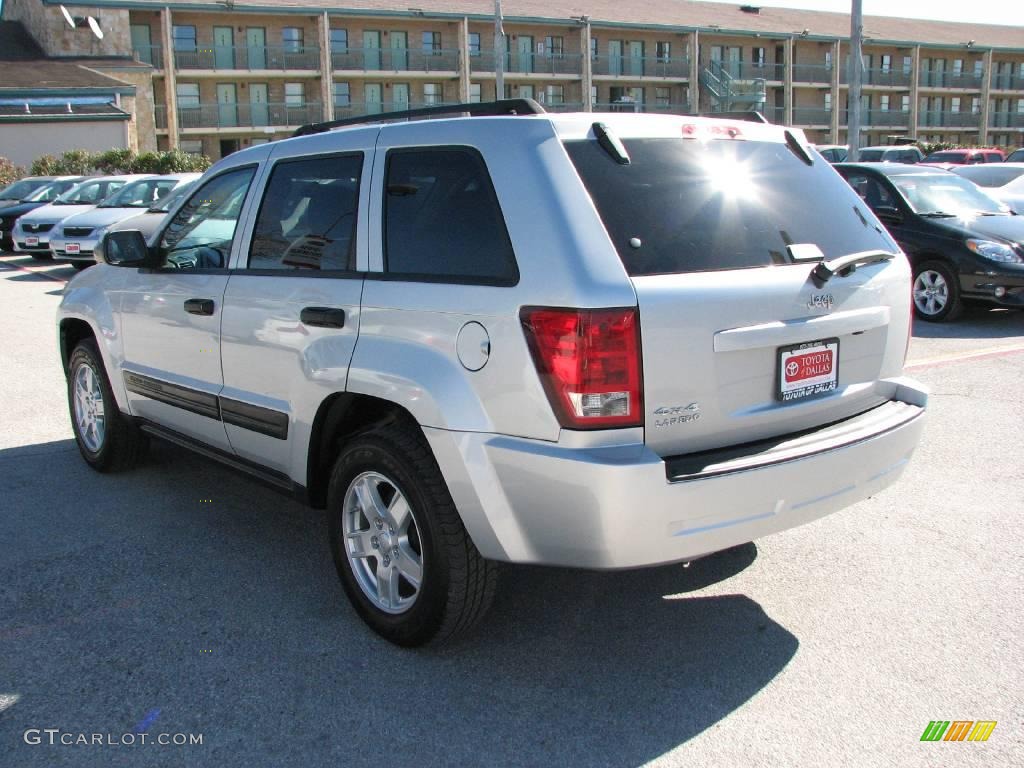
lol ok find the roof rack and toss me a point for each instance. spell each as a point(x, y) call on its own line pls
point(479, 109)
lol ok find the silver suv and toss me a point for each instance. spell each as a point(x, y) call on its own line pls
point(601, 341)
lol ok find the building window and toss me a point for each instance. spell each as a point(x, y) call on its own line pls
point(432, 42)
point(474, 43)
point(663, 97)
point(1020, 106)
point(191, 146)
point(291, 37)
point(958, 67)
point(904, 103)
point(184, 38)
point(954, 104)
point(593, 48)
point(828, 102)
point(474, 93)
point(979, 68)
point(432, 93)
point(976, 106)
point(554, 94)
point(883, 102)
point(828, 59)
point(342, 95)
point(554, 46)
point(663, 50)
point(188, 95)
point(908, 64)
point(339, 40)
point(886, 63)
point(593, 95)
point(636, 95)
point(294, 94)
point(758, 57)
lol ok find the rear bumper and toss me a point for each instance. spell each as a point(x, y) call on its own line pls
point(615, 507)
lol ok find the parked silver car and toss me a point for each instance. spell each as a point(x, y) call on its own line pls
point(591, 340)
point(75, 238)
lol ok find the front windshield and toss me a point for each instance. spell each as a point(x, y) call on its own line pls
point(20, 190)
point(171, 199)
point(945, 193)
point(89, 192)
point(49, 192)
point(140, 194)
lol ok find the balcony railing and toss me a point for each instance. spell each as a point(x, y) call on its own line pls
point(812, 116)
point(966, 80)
point(395, 60)
point(641, 66)
point(242, 115)
point(1006, 120)
point(149, 54)
point(348, 109)
point(738, 70)
point(227, 57)
point(933, 119)
point(812, 73)
point(530, 63)
point(880, 76)
point(885, 118)
point(775, 115)
point(1004, 81)
point(648, 107)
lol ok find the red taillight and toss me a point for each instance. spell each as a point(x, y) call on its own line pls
point(589, 362)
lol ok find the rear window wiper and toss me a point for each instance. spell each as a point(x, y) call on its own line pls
point(846, 265)
point(937, 215)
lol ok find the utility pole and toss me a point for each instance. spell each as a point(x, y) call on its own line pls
point(499, 53)
point(856, 71)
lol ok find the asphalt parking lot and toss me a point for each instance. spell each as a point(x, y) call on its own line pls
point(181, 598)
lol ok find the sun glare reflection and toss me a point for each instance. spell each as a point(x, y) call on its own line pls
point(8, 700)
point(730, 177)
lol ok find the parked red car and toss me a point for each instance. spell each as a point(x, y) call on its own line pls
point(965, 156)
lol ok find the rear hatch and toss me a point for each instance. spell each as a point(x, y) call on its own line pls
point(719, 229)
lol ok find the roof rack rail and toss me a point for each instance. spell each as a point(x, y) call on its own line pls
point(478, 109)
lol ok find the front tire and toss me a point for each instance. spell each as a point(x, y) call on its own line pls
point(82, 265)
point(41, 255)
point(107, 440)
point(936, 292)
point(404, 558)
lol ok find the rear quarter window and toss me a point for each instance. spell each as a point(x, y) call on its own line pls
point(691, 206)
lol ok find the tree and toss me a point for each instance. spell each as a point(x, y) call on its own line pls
point(9, 172)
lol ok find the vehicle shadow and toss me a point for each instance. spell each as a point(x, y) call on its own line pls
point(975, 323)
point(184, 587)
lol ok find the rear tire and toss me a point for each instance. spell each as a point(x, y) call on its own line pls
point(107, 440)
point(936, 292)
point(390, 517)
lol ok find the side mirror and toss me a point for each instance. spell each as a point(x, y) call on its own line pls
point(126, 248)
point(888, 214)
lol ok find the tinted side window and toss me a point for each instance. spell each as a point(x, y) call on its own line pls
point(442, 219)
point(871, 191)
point(201, 233)
point(308, 216)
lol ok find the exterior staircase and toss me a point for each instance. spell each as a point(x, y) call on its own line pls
point(729, 94)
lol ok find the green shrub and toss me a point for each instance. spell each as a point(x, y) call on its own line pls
point(114, 161)
point(9, 172)
point(45, 165)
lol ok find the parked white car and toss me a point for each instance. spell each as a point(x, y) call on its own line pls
point(31, 233)
point(149, 221)
point(23, 189)
point(75, 238)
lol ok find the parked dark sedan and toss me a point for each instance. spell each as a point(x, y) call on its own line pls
point(962, 244)
point(38, 198)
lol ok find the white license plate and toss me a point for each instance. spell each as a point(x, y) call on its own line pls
point(31, 241)
point(72, 248)
point(808, 369)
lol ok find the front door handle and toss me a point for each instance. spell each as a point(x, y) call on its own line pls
point(199, 306)
point(323, 317)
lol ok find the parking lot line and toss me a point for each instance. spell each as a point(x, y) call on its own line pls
point(931, 362)
point(36, 270)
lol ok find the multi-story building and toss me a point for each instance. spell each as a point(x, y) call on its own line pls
point(227, 74)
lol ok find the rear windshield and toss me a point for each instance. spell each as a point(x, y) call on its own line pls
point(683, 205)
point(870, 155)
point(946, 157)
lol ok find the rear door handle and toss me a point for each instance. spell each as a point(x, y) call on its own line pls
point(199, 306)
point(323, 317)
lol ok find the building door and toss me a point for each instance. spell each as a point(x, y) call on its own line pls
point(142, 43)
point(223, 48)
point(256, 47)
point(614, 57)
point(526, 92)
point(734, 57)
point(373, 98)
point(636, 58)
point(259, 114)
point(399, 43)
point(939, 73)
point(400, 96)
point(371, 50)
point(524, 52)
point(228, 146)
point(227, 105)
